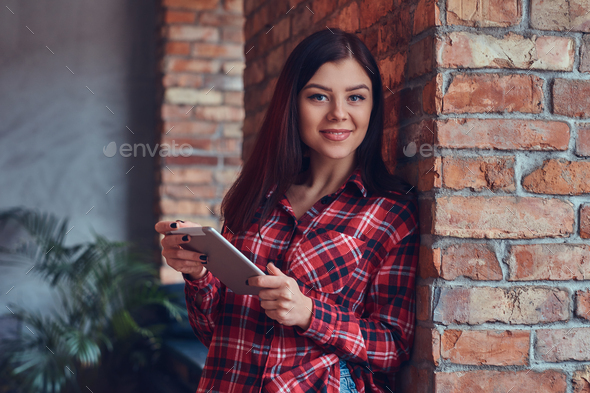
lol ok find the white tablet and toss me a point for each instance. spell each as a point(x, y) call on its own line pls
point(225, 261)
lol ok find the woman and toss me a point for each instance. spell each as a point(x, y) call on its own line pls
point(315, 207)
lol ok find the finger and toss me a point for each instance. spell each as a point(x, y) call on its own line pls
point(275, 271)
point(274, 294)
point(169, 226)
point(266, 281)
point(274, 305)
point(179, 253)
point(173, 241)
point(184, 266)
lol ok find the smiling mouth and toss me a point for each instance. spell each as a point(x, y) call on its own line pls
point(335, 132)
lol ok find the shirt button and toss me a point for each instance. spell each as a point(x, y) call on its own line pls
point(325, 200)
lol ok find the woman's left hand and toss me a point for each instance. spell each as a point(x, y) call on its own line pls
point(281, 298)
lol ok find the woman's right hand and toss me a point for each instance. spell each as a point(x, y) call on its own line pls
point(184, 261)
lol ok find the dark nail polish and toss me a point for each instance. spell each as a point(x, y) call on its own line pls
point(247, 283)
point(180, 221)
point(185, 238)
point(173, 225)
point(203, 257)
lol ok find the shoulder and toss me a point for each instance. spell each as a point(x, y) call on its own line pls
point(393, 219)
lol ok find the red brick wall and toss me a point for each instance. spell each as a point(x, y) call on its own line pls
point(201, 65)
point(495, 93)
point(505, 260)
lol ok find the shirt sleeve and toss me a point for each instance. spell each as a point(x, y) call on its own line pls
point(203, 319)
point(383, 340)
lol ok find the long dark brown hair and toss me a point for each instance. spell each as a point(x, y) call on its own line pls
point(278, 154)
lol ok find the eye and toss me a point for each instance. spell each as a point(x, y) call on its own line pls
point(316, 95)
point(360, 97)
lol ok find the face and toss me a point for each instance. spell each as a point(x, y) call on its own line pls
point(337, 97)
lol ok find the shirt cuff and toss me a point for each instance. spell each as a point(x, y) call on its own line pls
point(205, 286)
point(323, 321)
point(198, 283)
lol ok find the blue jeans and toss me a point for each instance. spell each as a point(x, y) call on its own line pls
point(346, 382)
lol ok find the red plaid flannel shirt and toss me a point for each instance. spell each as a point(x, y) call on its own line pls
point(355, 255)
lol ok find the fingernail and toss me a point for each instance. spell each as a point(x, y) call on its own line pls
point(173, 225)
point(180, 221)
point(247, 283)
point(203, 257)
point(185, 238)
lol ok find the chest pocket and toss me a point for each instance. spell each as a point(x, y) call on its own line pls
point(325, 261)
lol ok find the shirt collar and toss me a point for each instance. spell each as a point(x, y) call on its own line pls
point(354, 178)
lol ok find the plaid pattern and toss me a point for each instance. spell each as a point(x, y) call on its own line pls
point(356, 256)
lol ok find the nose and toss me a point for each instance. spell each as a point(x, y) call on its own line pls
point(337, 111)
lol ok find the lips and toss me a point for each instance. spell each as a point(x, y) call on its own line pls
point(335, 130)
point(333, 134)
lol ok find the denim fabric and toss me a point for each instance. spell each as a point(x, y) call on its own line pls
point(346, 382)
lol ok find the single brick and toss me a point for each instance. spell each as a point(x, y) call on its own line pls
point(585, 54)
point(182, 80)
point(570, 97)
point(392, 70)
point(478, 347)
point(549, 262)
point(503, 217)
point(373, 10)
point(184, 206)
point(493, 173)
point(421, 57)
point(432, 95)
point(191, 160)
point(583, 140)
point(503, 134)
point(197, 65)
point(483, 13)
point(581, 380)
point(560, 15)
point(182, 95)
point(423, 302)
point(177, 48)
point(186, 176)
point(426, 345)
point(468, 50)
point(558, 345)
point(226, 50)
point(175, 112)
point(192, 33)
point(219, 113)
point(427, 15)
point(515, 305)
point(191, 4)
point(188, 128)
point(172, 144)
point(179, 17)
point(559, 176)
point(583, 304)
point(429, 262)
point(472, 260)
point(346, 18)
point(492, 93)
point(491, 381)
point(585, 222)
point(179, 191)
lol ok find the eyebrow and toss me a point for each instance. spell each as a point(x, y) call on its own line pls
point(351, 88)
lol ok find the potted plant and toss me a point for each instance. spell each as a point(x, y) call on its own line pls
point(107, 330)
